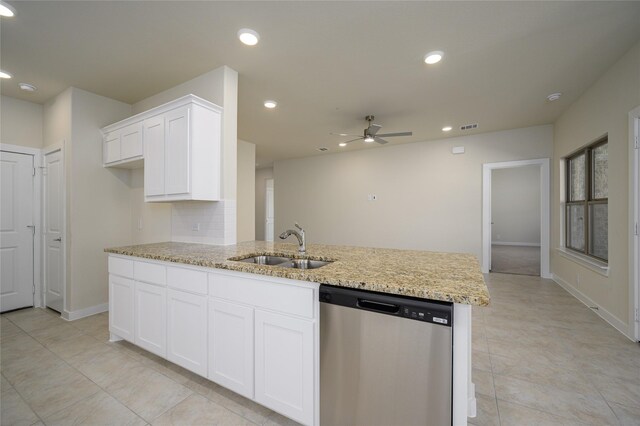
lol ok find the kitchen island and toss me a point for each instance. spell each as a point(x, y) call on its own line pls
point(201, 307)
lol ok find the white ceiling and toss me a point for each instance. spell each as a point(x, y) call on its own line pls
point(328, 64)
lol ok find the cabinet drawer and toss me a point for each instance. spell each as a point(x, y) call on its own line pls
point(122, 267)
point(286, 298)
point(187, 280)
point(150, 273)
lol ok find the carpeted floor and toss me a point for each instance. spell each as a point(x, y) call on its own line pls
point(520, 260)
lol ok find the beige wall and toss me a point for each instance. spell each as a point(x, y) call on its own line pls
point(99, 199)
point(515, 205)
point(428, 198)
point(603, 109)
point(22, 122)
point(261, 176)
point(246, 191)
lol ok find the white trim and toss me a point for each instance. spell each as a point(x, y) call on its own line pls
point(464, 398)
point(37, 214)
point(545, 228)
point(60, 146)
point(614, 321)
point(86, 312)
point(634, 220)
point(593, 264)
point(505, 243)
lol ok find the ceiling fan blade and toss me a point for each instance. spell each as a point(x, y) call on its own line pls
point(353, 140)
point(390, 135)
point(373, 129)
point(380, 140)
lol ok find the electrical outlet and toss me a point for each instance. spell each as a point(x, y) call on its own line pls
point(372, 197)
point(195, 227)
point(139, 224)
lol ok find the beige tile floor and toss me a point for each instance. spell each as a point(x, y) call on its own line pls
point(521, 260)
point(540, 358)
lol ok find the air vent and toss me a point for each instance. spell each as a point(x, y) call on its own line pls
point(323, 149)
point(469, 126)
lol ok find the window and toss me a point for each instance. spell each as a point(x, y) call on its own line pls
point(586, 218)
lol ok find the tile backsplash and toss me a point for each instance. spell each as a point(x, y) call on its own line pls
point(204, 222)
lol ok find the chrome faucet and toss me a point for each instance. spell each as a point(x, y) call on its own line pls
point(302, 247)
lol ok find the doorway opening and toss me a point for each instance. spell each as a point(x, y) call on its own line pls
point(269, 211)
point(515, 222)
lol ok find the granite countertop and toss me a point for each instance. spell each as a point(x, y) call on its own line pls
point(450, 277)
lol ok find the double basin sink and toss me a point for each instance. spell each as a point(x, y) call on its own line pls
point(284, 262)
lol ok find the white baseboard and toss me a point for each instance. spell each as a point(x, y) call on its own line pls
point(86, 312)
point(506, 243)
point(614, 321)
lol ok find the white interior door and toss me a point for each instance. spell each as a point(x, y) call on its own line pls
point(269, 220)
point(16, 231)
point(53, 222)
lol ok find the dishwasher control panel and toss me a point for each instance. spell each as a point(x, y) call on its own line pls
point(428, 315)
point(411, 308)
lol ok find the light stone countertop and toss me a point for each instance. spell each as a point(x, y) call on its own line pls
point(449, 277)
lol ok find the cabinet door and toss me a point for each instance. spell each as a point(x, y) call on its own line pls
point(150, 312)
point(121, 322)
point(131, 141)
point(231, 346)
point(112, 147)
point(284, 371)
point(177, 151)
point(154, 156)
point(187, 331)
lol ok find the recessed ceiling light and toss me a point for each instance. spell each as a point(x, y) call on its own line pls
point(368, 139)
point(6, 9)
point(270, 104)
point(4, 74)
point(433, 57)
point(27, 87)
point(554, 96)
point(248, 36)
point(342, 144)
point(446, 129)
point(342, 134)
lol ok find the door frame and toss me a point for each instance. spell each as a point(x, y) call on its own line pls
point(545, 192)
point(37, 216)
point(266, 205)
point(634, 223)
point(60, 146)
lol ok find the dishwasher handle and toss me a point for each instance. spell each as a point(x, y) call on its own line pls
point(373, 305)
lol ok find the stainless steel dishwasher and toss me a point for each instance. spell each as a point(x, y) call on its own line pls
point(384, 360)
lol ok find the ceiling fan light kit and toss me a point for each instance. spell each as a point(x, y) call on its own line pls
point(370, 134)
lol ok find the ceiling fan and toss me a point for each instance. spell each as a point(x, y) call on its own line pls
point(371, 134)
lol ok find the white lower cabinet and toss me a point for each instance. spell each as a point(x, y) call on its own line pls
point(187, 330)
point(255, 335)
point(284, 368)
point(121, 296)
point(150, 318)
point(231, 346)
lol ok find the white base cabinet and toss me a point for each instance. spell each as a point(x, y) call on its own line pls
point(187, 330)
point(284, 365)
point(231, 346)
point(121, 295)
point(150, 318)
point(253, 334)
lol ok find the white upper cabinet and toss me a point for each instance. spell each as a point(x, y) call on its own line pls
point(179, 143)
point(123, 146)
